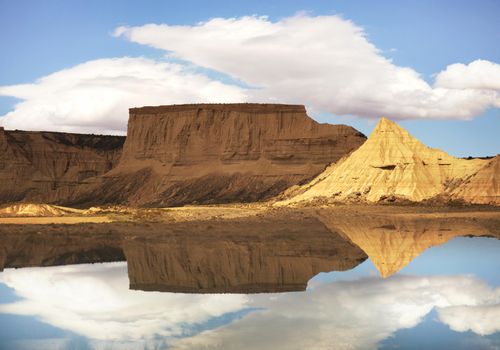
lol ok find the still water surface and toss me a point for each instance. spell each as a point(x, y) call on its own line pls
point(448, 297)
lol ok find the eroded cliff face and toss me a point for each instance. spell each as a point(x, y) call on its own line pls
point(48, 167)
point(215, 153)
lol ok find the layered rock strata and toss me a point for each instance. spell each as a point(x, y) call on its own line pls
point(482, 187)
point(215, 153)
point(390, 165)
point(48, 167)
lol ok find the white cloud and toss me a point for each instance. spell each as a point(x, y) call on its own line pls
point(479, 74)
point(325, 62)
point(95, 301)
point(95, 96)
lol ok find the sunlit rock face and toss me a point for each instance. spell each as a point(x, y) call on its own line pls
point(48, 167)
point(390, 164)
point(392, 242)
point(210, 153)
point(482, 187)
point(279, 258)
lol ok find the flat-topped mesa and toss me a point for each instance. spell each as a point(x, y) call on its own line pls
point(47, 167)
point(234, 107)
point(215, 153)
point(390, 164)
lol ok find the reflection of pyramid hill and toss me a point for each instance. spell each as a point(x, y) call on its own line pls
point(392, 242)
point(239, 256)
point(391, 163)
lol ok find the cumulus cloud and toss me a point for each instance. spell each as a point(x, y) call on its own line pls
point(95, 301)
point(325, 62)
point(479, 74)
point(95, 96)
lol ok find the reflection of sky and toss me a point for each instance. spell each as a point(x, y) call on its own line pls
point(449, 295)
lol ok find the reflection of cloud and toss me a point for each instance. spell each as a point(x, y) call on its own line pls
point(481, 319)
point(95, 301)
point(350, 315)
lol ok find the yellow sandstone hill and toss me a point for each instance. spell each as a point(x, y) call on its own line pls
point(390, 164)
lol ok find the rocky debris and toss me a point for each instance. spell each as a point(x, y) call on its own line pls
point(38, 210)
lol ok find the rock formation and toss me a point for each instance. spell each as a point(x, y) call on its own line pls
point(47, 167)
point(213, 153)
point(482, 187)
point(392, 242)
point(391, 165)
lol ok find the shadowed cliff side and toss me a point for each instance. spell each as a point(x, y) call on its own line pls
point(218, 153)
point(48, 167)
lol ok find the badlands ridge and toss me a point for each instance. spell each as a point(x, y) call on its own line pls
point(221, 153)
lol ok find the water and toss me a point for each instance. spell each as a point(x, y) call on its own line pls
point(445, 297)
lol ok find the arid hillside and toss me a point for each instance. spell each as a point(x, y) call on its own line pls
point(393, 165)
point(48, 167)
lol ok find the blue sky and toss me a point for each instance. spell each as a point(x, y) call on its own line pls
point(40, 38)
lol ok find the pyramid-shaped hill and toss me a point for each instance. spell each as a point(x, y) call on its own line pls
point(390, 164)
point(482, 187)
